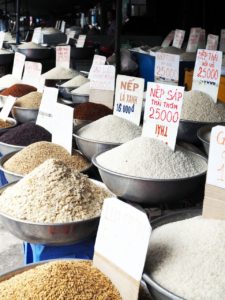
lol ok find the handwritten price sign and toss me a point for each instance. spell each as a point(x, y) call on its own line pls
point(222, 40)
point(18, 64)
point(212, 42)
point(193, 39)
point(207, 72)
point(178, 38)
point(32, 73)
point(167, 68)
point(168, 40)
point(63, 56)
point(104, 77)
point(162, 112)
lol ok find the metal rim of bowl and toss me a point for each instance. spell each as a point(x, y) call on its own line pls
point(201, 131)
point(25, 108)
point(11, 145)
point(200, 122)
point(11, 121)
point(94, 161)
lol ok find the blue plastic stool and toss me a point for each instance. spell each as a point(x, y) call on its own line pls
point(37, 252)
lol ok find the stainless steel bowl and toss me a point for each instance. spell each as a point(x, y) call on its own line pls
point(159, 292)
point(204, 136)
point(10, 176)
point(37, 54)
point(51, 234)
point(65, 92)
point(79, 98)
point(91, 148)
point(10, 120)
point(23, 115)
point(8, 148)
point(151, 191)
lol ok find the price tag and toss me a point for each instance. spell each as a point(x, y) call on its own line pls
point(128, 98)
point(57, 24)
point(63, 26)
point(178, 38)
point(222, 40)
point(70, 35)
point(7, 108)
point(2, 36)
point(81, 41)
point(212, 42)
point(32, 73)
point(18, 64)
point(162, 112)
point(207, 72)
point(37, 36)
point(63, 56)
point(62, 130)
point(214, 201)
point(168, 40)
point(45, 114)
point(201, 44)
point(121, 246)
point(98, 60)
point(167, 68)
point(104, 77)
point(193, 40)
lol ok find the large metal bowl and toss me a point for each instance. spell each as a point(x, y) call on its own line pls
point(65, 92)
point(37, 54)
point(159, 292)
point(151, 191)
point(76, 98)
point(51, 234)
point(204, 136)
point(8, 148)
point(23, 115)
point(10, 120)
point(54, 82)
point(6, 59)
point(91, 148)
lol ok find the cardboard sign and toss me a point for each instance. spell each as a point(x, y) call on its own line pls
point(193, 40)
point(37, 36)
point(128, 98)
point(7, 107)
point(18, 64)
point(178, 38)
point(222, 40)
point(201, 43)
point(62, 131)
point(121, 246)
point(32, 73)
point(214, 201)
point(2, 36)
point(104, 78)
point(63, 26)
point(98, 60)
point(167, 68)
point(162, 112)
point(168, 40)
point(207, 72)
point(212, 42)
point(63, 56)
point(45, 114)
point(81, 41)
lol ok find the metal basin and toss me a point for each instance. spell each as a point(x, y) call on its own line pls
point(12, 121)
point(6, 59)
point(65, 92)
point(151, 191)
point(51, 234)
point(82, 53)
point(37, 54)
point(79, 98)
point(92, 148)
point(8, 148)
point(204, 136)
point(159, 292)
point(23, 115)
point(54, 82)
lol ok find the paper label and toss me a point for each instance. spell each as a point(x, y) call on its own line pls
point(2, 36)
point(222, 40)
point(45, 114)
point(193, 40)
point(212, 42)
point(18, 64)
point(207, 72)
point(37, 36)
point(81, 41)
point(32, 73)
point(128, 98)
point(167, 68)
point(201, 43)
point(216, 160)
point(63, 26)
point(7, 108)
point(162, 112)
point(62, 131)
point(104, 78)
point(123, 237)
point(70, 35)
point(63, 56)
point(57, 24)
point(178, 38)
point(98, 60)
point(168, 40)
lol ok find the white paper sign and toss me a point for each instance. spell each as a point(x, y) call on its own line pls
point(168, 40)
point(32, 73)
point(207, 72)
point(63, 56)
point(2, 36)
point(122, 240)
point(212, 42)
point(57, 24)
point(70, 35)
point(201, 43)
point(81, 41)
point(7, 108)
point(162, 112)
point(97, 60)
point(178, 38)
point(63, 26)
point(48, 102)
point(104, 78)
point(37, 36)
point(128, 98)
point(216, 161)
point(193, 40)
point(62, 132)
point(222, 40)
point(18, 64)
point(167, 68)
